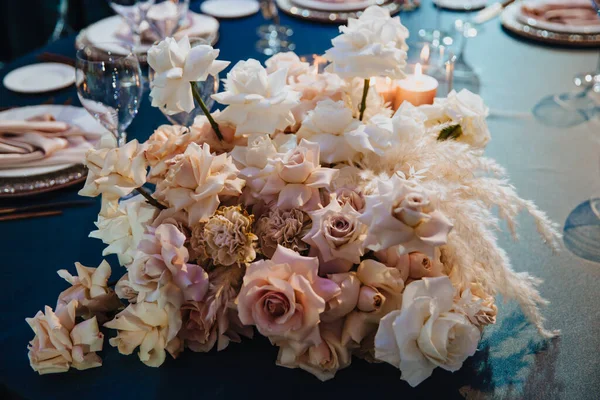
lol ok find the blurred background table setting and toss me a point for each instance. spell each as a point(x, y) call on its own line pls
point(75, 73)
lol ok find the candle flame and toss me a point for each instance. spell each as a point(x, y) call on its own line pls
point(372, 81)
point(388, 80)
point(425, 53)
point(418, 70)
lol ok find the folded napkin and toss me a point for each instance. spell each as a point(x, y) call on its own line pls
point(42, 141)
point(566, 12)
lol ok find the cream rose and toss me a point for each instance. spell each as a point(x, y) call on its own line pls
point(403, 214)
point(380, 293)
point(338, 236)
point(330, 125)
point(295, 179)
point(166, 142)
point(372, 45)
point(393, 257)
point(175, 65)
point(89, 288)
point(425, 333)
point(114, 172)
point(122, 230)
point(257, 102)
point(314, 88)
point(151, 328)
point(196, 179)
point(284, 297)
point(322, 360)
point(59, 343)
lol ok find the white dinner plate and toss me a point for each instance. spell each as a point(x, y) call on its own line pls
point(230, 8)
point(461, 5)
point(106, 30)
point(40, 78)
point(70, 114)
point(553, 26)
point(330, 6)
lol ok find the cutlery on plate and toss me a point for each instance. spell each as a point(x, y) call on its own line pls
point(46, 206)
point(29, 215)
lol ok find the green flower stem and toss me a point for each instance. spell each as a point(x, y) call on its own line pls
point(212, 122)
point(363, 102)
point(151, 200)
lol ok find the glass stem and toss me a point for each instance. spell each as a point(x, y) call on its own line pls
point(151, 200)
point(363, 102)
point(212, 122)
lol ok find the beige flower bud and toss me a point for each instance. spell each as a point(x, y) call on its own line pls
point(370, 299)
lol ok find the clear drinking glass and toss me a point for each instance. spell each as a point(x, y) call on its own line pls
point(134, 13)
point(274, 37)
point(576, 107)
point(62, 26)
point(109, 86)
point(166, 16)
point(206, 89)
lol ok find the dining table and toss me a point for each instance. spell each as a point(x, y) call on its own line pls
point(556, 167)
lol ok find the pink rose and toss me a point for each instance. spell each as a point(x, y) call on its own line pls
point(342, 304)
point(393, 258)
point(284, 297)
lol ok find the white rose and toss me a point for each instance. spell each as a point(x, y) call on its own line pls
point(377, 136)
point(373, 45)
point(257, 102)
point(290, 62)
point(176, 64)
point(123, 230)
point(424, 333)
point(375, 103)
point(328, 125)
point(465, 109)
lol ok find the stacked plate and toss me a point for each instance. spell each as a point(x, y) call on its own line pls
point(570, 23)
point(338, 11)
point(114, 29)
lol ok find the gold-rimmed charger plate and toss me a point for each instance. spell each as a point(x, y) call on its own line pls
point(511, 22)
point(337, 17)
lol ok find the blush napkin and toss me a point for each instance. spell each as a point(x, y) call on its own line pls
point(42, 141)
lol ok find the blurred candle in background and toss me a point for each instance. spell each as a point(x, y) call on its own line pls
point(417, 89)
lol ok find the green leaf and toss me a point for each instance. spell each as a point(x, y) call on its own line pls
point(450, 132)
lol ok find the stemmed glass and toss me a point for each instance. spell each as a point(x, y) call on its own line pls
point(166, 16)
point(572, 108)
point(109, 86)
point(62, 26)
point(274, 36)
point(464, 74)
point(206, 89)
point(134, 13)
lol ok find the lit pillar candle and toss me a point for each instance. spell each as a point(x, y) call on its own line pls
point(417, 89)
point(386, 88)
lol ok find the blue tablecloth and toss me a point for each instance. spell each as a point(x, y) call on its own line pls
point(556, 168)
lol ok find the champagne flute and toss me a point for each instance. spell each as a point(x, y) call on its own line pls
point(134, 13)
point(166, 16)
point(109, 86)
point(572, 108)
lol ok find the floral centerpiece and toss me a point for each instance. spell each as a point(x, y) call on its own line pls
point(304, 209)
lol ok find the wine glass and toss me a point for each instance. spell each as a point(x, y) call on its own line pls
point(62, 26)
point(274, 36)
point(206, 89)
point(465, 76)
point(134, 13)
point(109, 85)
point(572, 108)
point(166, 16)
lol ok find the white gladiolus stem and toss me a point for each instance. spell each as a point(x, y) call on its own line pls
point(212, 122)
